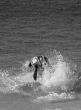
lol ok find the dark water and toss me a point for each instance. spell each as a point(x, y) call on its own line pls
point(24, 37)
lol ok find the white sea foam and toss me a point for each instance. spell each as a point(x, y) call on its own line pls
point(60, 75)
point(56, 97)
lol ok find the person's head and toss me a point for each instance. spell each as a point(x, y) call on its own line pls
point(45, 61)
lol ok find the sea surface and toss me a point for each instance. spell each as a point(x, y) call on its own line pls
point(59, 38)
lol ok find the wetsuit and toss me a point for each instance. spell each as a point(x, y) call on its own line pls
point(37, 62)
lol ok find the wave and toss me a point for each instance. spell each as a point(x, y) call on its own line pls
point(56, 97)
point(56, 81)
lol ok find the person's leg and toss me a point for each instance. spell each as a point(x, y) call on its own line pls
point(35, 72)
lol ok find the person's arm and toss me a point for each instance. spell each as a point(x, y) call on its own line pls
point(46, 59)
point(30, 64)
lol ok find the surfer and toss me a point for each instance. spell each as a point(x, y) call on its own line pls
point(38, 62)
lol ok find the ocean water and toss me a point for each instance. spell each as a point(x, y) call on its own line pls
point(58, 88)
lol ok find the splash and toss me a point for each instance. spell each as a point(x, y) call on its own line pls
point(52, 84)
point(60, 74)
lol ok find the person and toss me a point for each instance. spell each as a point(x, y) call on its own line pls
point(38, 62)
